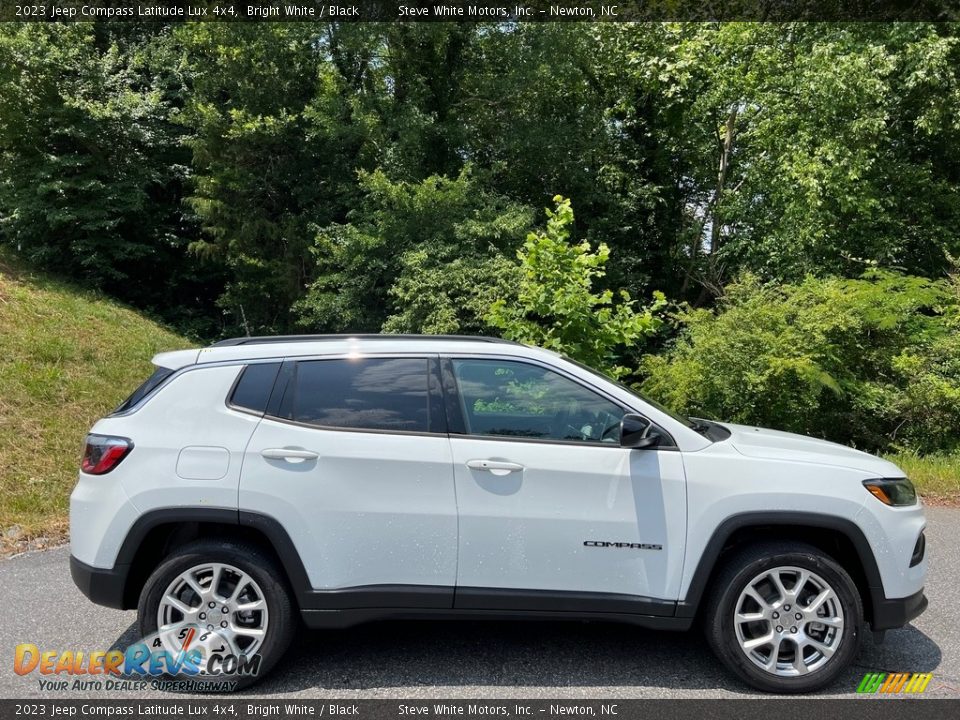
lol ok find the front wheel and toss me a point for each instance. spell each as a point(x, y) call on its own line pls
point(227, 605)
point(785, 617)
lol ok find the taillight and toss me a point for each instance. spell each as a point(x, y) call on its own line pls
point(103, 453)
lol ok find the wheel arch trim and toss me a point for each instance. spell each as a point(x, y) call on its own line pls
point(688, 605)
point(278, 539)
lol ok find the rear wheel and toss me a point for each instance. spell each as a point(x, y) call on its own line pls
point(226, 602)
point(785, 617)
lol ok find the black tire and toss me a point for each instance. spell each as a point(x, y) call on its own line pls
point(249, 558)
point(745, 565)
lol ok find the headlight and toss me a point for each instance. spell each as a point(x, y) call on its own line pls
point(896, 492)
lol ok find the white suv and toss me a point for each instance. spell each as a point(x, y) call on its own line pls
point(261, 481)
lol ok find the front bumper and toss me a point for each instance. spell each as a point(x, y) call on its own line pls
point(889, 614)
point(104, 586)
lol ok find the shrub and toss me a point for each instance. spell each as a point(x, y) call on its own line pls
point(874, 362)
point(556, 306)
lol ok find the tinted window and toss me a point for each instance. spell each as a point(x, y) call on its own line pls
point(366, 393)
point(500, 397)
point(148, 386)
point(254, 386)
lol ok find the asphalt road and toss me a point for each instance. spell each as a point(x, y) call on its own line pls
point(39, 604)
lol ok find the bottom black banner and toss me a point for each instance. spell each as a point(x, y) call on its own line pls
point(783, 709)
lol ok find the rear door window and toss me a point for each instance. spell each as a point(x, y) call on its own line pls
point(253, 389)
point(389, 394)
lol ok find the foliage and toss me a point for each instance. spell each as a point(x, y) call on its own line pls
point(695, 151)
point(556, 306)
point(273, 177)
point(92, 172)
point(872, 361)
point(810, 147)
point(268, 162)
point(449, 295)
point(422, 257)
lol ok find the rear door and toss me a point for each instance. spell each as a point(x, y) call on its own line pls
point(353, 460)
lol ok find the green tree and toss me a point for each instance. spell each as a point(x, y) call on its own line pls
point(810, 147)
point(551, 109)
point(694, 151)
point(415, 257)
point(93, 172)
point(275, 146)
point(452, 295)
point(557, 307)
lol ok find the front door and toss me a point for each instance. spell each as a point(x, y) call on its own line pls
point(554, 514)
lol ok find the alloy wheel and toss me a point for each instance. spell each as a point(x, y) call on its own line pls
point(789, 621)
point(217, 598)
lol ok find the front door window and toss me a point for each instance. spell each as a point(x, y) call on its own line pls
point(505, 398)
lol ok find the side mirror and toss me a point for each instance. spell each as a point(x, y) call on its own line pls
point(634, 431)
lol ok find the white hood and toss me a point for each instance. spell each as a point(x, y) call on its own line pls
point(777, 445)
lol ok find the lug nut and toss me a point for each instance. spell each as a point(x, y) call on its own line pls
point(793, 630)
point(779, 628)
point(223, 624)
point(213, 605)
point(209, 627)
point(799, 616)
point(225, 609)
point(776, 615)
point(786, 607)
point(203, 616)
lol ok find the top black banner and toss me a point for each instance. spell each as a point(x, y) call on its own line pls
point(509, 11)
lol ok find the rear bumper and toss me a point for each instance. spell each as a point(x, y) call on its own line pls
point(889, 614)
point(104, 586)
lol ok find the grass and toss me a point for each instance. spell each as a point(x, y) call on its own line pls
point(67, 357)
point(936, 477)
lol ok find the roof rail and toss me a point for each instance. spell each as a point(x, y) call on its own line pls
point(262, 339)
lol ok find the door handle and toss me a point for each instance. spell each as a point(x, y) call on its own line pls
point(289, 454)
point(494, 465)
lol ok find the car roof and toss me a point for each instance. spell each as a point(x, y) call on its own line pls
point(278, 346)
point(362, 337)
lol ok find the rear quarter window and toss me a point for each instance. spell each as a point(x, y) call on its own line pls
point(145, 389)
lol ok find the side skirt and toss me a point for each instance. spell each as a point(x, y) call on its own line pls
point(344, 607)
point(510, 599)
point(332, 619)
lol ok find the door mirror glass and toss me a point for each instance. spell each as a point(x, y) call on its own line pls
point(635, 432)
